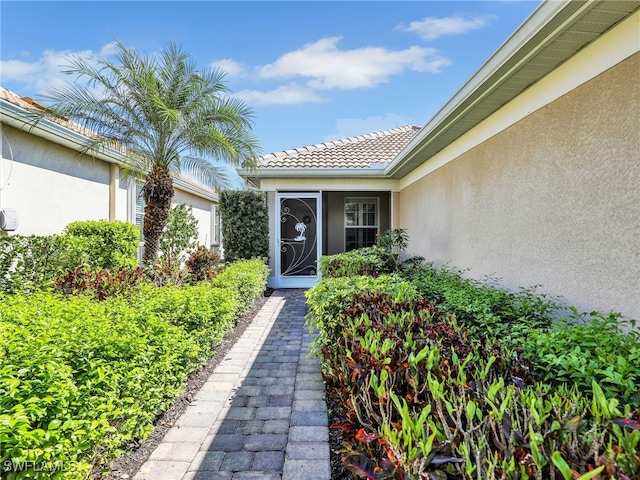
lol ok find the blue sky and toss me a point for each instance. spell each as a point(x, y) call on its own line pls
point(312, 71)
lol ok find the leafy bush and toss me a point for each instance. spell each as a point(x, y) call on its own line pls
point(247, 279)
point(206, 313)
point(369, 261)
point(31, 263)
point(382, 258)
point(332, 297)
point(424, 396)
point(102, 284)
point(580, 350)
point(203, 264)
point(245, 224)
point(113, 244)
point(80, 379)
point(483, 307)
point(180, 235)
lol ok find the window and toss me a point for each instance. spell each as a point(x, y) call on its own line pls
point(139, 213)
point(216, 226)
point(360, 222)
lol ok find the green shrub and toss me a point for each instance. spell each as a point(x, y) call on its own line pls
point(330, 298)
point(113, 244)
point(180, 236)
point(31, 263)
point(577, 351)
point(80, 379)
point(382, 258)
point(205, 312)
point(100, 284)
point(371, 261)
point(245, 224)
point(247, 278)
point(483, 307)
point(424, 397)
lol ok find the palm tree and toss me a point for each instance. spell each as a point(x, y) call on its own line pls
point(164, 116)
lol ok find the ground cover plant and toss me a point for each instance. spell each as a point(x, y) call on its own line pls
point(439, 377)
point(82, 376)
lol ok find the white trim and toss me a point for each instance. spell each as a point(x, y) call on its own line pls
point(345, 184)
point(305, 281)
point(612, 48)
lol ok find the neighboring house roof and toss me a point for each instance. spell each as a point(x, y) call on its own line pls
point(17, 112)
point(362, 151)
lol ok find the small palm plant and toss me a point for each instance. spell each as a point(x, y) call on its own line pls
point(165, 117)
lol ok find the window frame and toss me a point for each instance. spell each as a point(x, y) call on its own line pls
point(360, 200)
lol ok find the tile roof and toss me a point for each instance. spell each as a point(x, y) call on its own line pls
point(355, 152)
point(31, 106)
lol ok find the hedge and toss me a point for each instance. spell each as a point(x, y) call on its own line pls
point(80, 379)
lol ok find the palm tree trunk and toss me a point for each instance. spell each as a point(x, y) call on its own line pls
point(157, 193)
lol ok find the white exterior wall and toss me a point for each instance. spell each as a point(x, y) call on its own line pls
point(49, 185)
point(202, 210)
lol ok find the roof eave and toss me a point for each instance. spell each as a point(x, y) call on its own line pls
point(17, 117)
point(547, 22)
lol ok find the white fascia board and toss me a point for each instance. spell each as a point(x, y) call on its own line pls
point(613, 47)
point(348, 184)
point(532, 25)
point(14, 116)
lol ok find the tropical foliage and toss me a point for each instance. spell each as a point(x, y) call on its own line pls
point(80, 379)
point(245, 224)
point(164, 116)
point(442, 377)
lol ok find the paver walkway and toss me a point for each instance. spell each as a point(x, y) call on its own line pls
point(261, 415)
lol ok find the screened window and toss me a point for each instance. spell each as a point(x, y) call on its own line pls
point(361, 222)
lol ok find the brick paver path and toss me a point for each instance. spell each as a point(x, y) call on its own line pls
point(261, 415)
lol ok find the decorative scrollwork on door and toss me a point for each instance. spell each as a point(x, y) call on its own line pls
point(298, 236)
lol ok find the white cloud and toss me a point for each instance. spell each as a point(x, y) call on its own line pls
point(232, 68)
point(45, 72)
point(328, 67)
point(109, 49)
point(351, 127)
point(291, 94)
point(15, 70)
point(431, 28)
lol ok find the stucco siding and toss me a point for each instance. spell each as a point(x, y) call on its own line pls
point(201, 211)
point(50, 185)
point(553, 199)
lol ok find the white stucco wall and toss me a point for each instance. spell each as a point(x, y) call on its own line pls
point(202, 211)
point(50, 185)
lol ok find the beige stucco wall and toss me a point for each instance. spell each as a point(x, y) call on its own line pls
point(50, 185)
point(553, 199)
